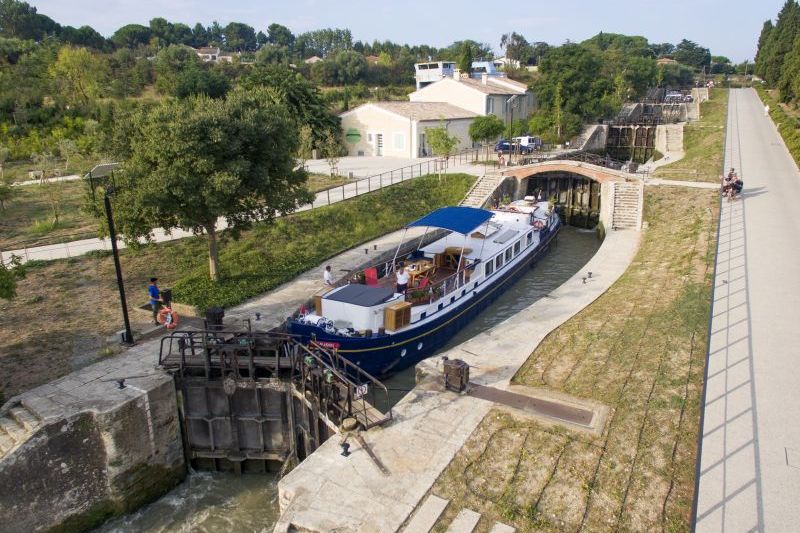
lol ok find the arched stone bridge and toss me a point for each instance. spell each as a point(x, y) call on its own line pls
point(621, 193)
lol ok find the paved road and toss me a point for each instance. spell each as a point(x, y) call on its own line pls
point(750, 454)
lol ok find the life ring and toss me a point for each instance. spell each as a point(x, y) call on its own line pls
point(168, 318)
point(538, 224)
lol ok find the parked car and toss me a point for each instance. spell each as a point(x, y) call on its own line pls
point(529, 140)
point(507, 147)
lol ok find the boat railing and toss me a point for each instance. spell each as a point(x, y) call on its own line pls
point(442, 288)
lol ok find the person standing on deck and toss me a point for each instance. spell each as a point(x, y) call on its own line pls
point(155, 298)
point(402, 280)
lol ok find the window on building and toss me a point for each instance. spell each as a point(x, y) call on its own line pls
point(489, 268)
point(508, 254)
point(489, 104)
point(398, 141)
point(517, 247)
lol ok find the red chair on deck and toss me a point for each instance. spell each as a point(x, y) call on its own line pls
point(424, 282)
point(371, 276)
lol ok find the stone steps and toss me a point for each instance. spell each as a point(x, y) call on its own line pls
point(429, 513)
point(16, 427)
point(627, 205)
point(482, 189)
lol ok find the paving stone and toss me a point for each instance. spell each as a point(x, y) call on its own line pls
point(501, 528)
point(427, 515)
point(464, 522)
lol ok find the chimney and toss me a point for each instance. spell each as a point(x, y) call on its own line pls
point(485, 78)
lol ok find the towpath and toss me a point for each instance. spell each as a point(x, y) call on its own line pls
point(749, 466)
point(375, 175)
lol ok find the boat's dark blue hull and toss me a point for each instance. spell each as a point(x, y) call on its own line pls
point(382, 355)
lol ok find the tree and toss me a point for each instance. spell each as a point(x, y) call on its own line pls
point(169, 63)
point(4, 154)
point(280, 35)
point(20, 20)
point(131, 36)
point(240, 37)
point(9, 275)
point(79, 74)
point(349, 66)
point(486, 128)
point(83, 36)
point(465, 58)
point(53, 190)
point(516, 47)
point(305, 145)
point(441, 143)
point(691, 54)
point(332, 151)
point(200, 80)
point(190, 162)
point(7, 193)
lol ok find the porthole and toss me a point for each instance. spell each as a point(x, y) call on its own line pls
point(419, 346)
point(403, 352)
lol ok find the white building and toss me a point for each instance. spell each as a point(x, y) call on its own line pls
point(397, 129)
point(502, 97)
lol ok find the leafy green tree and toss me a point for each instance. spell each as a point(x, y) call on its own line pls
point(305, 144)
point(190, 162)
point(332, 151)
point(303, 99)
point(79, 75)
point(349, 65)
point(131, 36)
point(486, 128)
point(442, 144)
point(20, 20)
point(9, 275)
point(690, 53)
point(240, 37)
point(169, 63)
point(466, 57)
point(516, 47)
point(200, 80)
point(280, 35)
point(83, 36)
point(200, 36)
point(272, 54)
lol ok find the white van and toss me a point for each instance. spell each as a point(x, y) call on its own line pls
point(529, 140)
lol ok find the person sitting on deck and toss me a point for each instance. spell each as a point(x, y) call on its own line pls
point(402, 280)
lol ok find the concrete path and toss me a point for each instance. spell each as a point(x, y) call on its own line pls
point(323, 198)
point(430, 426)
point(73, 177)
point(749, 468)
point(680, 183)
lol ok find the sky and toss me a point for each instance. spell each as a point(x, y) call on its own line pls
point(728, 27)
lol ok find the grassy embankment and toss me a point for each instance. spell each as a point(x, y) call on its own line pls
point(28, 218)
point(639, 349)
point(786, 118)
point(703, 159)
point(65, 309)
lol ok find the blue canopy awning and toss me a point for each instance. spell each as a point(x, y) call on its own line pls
point(459, 219)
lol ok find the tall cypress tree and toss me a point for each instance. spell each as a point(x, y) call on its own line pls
point(780, 41)
point(766, 30)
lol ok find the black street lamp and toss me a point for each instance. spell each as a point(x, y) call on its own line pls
point(127, 336)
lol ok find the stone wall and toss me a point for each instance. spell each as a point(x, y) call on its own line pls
point(75, 471)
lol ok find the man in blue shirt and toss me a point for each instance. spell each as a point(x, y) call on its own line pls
point(155, 298)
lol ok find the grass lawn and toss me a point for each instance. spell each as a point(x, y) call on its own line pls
point(28, 216)
point(320, 182)
point(703, 141)
point(65, 309)
point(786, 118)
point(640, 350)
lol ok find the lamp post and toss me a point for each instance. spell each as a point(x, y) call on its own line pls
point(127, 336)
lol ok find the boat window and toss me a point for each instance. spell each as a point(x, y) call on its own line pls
point(530, 238)
point(489, 268)
point(517, 246)
point(508, 254)
point(498, 261)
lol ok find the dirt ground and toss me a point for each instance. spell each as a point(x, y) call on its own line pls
point(639, 349)
point(65, 311)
